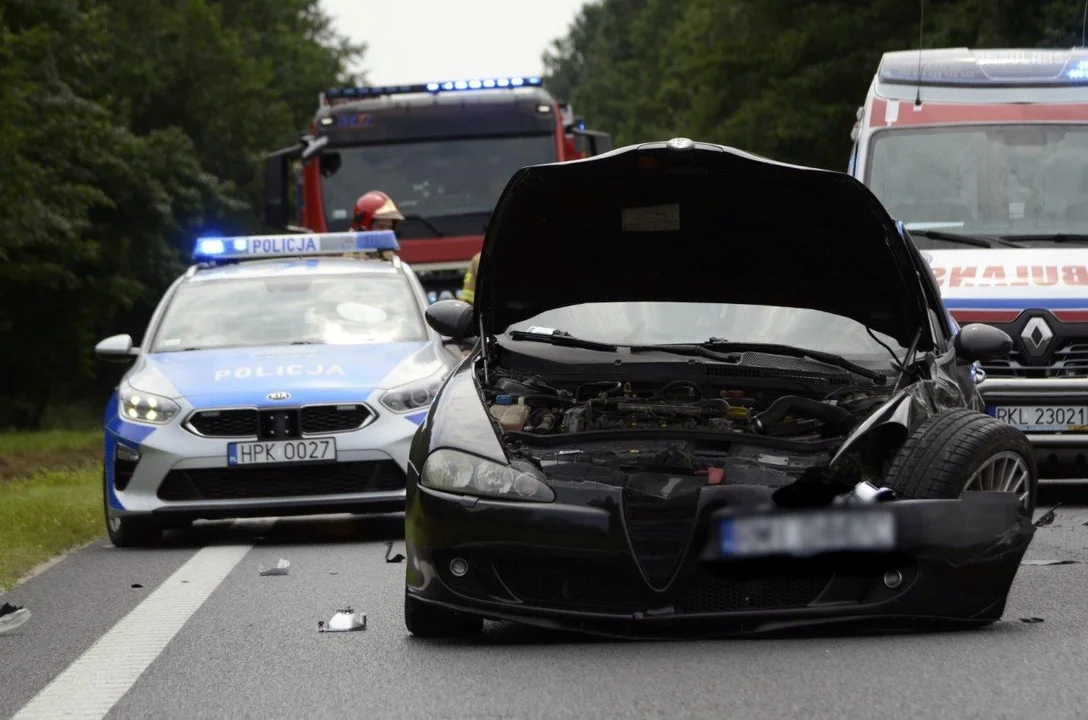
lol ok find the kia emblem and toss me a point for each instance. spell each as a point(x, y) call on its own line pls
point(281, 395)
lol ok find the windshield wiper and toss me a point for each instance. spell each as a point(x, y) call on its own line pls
point(565, 339)
point(1056, 238)
point(712, 348)
point(972, 240)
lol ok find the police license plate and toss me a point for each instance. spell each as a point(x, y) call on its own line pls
point(1043, 418)
point(281, 451)
point(807, 533)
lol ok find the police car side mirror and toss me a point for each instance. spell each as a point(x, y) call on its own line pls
point(450, 318)
point(979, 341)
point(116, 348)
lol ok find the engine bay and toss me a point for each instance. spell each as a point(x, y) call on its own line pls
point(610, 432)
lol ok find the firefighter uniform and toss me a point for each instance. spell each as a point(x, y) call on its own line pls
point(468, 292)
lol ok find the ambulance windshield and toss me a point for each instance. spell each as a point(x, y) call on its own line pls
point(994, 180)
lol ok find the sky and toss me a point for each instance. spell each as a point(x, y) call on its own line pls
point(412, 41)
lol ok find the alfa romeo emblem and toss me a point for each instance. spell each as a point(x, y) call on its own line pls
point(281, 395)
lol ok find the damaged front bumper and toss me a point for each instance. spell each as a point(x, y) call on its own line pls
point(947, 563)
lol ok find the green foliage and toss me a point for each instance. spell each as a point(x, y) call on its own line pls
point(126, 128)
point(782, 78)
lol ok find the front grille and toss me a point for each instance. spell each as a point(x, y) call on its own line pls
point(317, 419)
point(1070, 360)
point(225, 423)
point(282, 481)
point(659, 511)
point(715, 594)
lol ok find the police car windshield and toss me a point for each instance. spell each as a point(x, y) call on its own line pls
point(658, 323)
point(347, 309)
point(452, 183)
point(995, 180)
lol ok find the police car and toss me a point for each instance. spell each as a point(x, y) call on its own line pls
point(279, 375)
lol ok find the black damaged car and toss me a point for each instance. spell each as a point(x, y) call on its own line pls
point(710, 394)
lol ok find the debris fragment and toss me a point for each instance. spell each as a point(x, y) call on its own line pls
point(137, 585)
point(389, 551)
point(346, 620)
point(12, 616)
point(1049, 562)
point(1031, 620)
point(1048, 517)
point(280, 568)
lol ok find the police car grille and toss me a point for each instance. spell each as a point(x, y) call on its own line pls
point(225, 423)
point(1070, 360)
point(286, 482)
point(318, 419)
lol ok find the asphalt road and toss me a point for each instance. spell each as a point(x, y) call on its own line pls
point(252, 648)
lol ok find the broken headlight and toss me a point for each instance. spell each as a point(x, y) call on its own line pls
point(458, 472)
point(137, 406)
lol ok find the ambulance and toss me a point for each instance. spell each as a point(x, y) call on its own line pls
point(982, 155)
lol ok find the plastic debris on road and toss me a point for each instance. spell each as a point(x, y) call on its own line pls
point(346, 620)
point(1049, 562)
point(12, 616)
point(1048, 517)
point(280, 568)
point(389, 551)
point(1031, 620)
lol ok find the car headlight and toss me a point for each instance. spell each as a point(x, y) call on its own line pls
point(414, 395)
point(138, 406)
point(458, 472)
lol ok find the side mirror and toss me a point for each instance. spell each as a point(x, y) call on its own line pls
point(450, 318)
point(597, 143)
point(116, 348)
point(315, 147)
point(979, 341)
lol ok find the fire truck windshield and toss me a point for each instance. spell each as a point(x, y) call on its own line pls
point(443, 183)
point(1026, 181)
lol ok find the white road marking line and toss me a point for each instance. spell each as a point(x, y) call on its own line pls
point(93, 684)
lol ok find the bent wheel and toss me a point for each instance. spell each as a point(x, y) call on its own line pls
point(129, 531)
point(961, 451)
point(428, 621)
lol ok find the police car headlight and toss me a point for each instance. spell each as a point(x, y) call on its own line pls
point(458, 472)
point(138, 406)
point(413, 396)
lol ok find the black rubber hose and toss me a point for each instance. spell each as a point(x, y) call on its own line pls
point(805, 407)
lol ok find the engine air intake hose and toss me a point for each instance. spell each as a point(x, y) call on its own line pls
point(806, 407)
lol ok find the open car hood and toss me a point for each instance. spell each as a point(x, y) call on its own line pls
point(696, 222)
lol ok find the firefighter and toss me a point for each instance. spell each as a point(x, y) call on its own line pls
point(375, 211)
point(468, 292)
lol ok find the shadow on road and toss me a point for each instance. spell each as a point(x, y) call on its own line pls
point(317, 529)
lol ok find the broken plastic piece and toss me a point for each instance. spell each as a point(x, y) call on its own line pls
point(280, 568)
point(1031, 620)
point(12, 616)
point(389, 551)
point(346, 620)
point(137, 585)
point(1048, 517)
point(1049, 562)
point(864, 493)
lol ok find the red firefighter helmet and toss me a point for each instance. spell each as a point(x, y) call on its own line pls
point(374, 205)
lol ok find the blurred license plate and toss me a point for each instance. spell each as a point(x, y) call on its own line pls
point(281, 451)
point(1043, 418)
point(807, 533)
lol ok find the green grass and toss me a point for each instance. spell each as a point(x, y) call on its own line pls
point(50, 497)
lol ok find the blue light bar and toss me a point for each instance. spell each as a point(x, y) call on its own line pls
point(960, 67)
point(253, 247)
point(356, 93)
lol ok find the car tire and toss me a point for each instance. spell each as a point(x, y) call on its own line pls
point(429, 621)
point(941, 456)
point(129, 531)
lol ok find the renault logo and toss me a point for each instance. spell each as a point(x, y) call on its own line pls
point(1036, 336)
point(281, 395)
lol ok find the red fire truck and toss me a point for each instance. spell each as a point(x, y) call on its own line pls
point(443, 151)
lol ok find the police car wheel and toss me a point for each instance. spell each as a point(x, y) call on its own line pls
point(130, 531)
point(428, 621)
point(961, 451)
